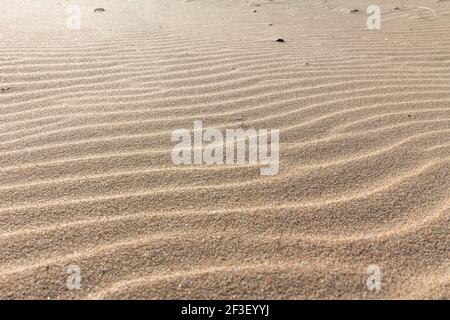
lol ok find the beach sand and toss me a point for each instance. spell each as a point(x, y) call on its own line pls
point(87, 182)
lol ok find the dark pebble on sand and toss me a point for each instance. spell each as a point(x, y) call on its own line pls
point(280, 40)
point(99, 10)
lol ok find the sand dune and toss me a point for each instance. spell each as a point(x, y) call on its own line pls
point(86, 178)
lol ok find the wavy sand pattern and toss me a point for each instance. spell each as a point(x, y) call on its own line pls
point(86, 176)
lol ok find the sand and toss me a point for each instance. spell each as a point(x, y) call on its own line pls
point(86, 175)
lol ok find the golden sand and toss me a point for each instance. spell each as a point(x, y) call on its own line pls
point(86, 176)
